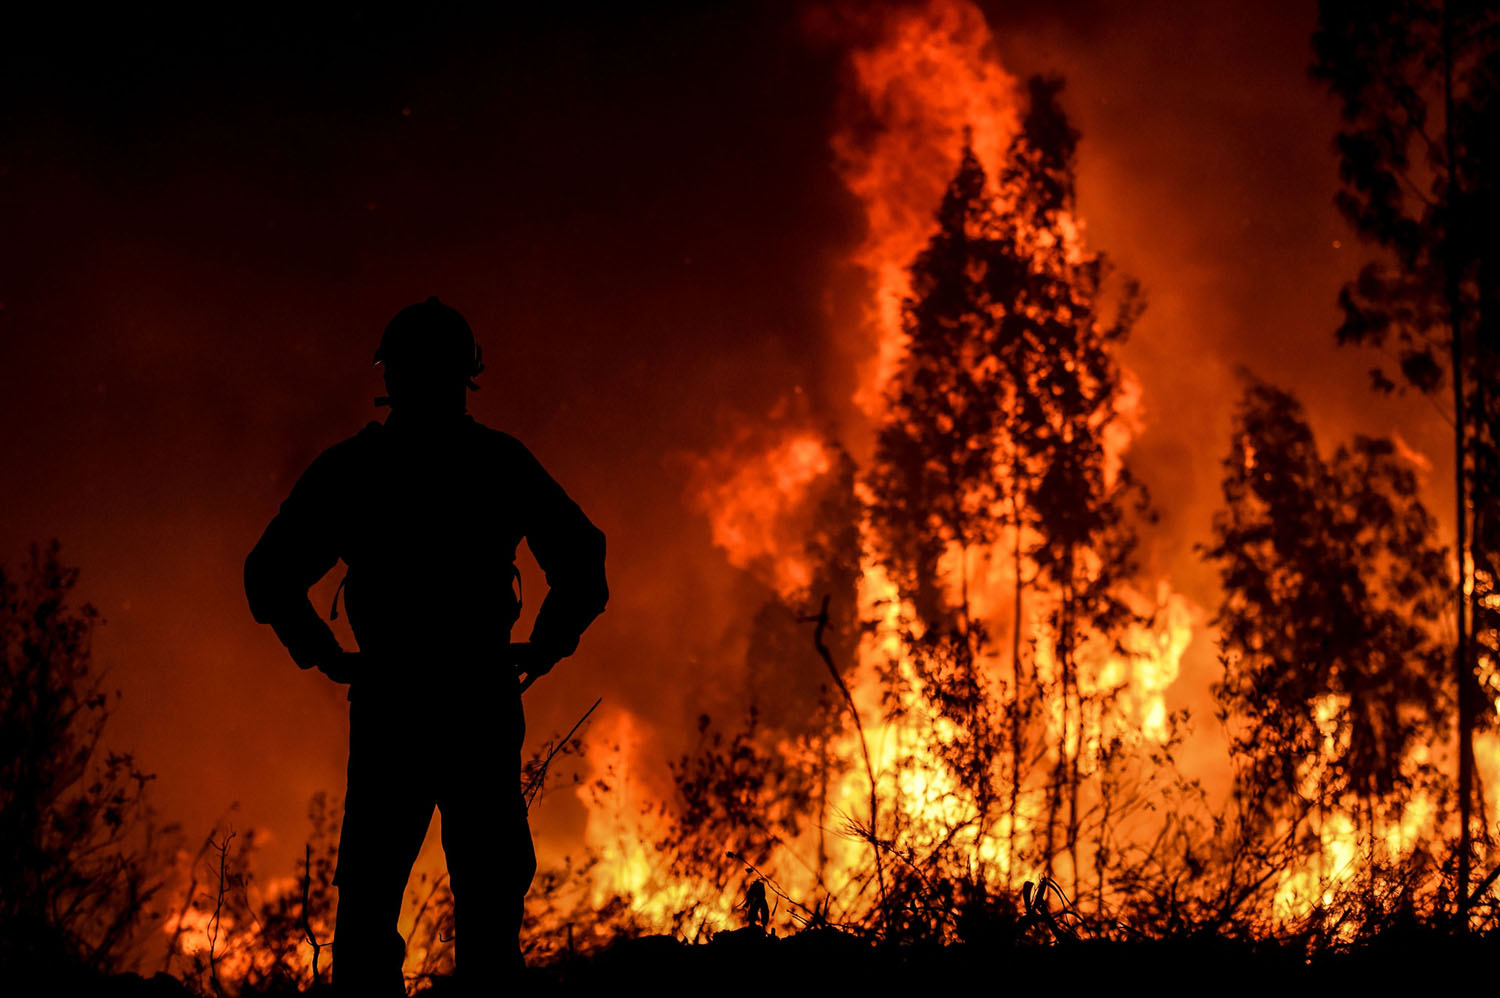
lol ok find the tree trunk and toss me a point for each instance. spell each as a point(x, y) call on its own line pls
point(1071, 694)
point(1463, 674)
point(1015, 696)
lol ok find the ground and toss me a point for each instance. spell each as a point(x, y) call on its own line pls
point(750, 963)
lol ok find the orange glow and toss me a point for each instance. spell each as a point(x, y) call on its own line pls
point(755, 503)
point(185, 388)
point(931, 74)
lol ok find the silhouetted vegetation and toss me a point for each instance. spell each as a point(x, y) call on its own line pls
point(82, 857)
point(959, 776)
point(996, 439)
point(1417, 82)
point(1330, 631)
point(997, 428)
point(994, 817)
point(236, 935)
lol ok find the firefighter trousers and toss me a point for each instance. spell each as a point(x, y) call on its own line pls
point(408, 756)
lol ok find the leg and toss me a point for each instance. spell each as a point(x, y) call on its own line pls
point(386, 813)
point(487, 844)
point(490, 865)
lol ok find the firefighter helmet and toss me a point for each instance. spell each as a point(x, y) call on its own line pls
point(434, 339)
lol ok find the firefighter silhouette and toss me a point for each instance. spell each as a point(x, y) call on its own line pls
point(427, 510)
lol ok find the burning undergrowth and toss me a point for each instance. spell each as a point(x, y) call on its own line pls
point(984, 705)
point(952, 719)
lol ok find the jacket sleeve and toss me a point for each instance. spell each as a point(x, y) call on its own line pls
point(297, 549)
point(570, 551)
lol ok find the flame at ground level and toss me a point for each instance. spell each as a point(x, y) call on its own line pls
point(924, 76)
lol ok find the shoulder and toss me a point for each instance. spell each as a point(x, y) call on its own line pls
point(502, 445)
point(515, 463)
point(343, 457)
point(353, 448)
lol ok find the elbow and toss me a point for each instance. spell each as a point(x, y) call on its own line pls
point(260, 586)
point(575, 572)
point(254, 592)
point(587, 585)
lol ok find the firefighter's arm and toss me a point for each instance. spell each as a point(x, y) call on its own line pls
point(570, 551)
point(296, 550)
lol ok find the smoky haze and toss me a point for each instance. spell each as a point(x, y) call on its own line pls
point(206, 225)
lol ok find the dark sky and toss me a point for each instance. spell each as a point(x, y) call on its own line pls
point(204, 226)
point(208, 224)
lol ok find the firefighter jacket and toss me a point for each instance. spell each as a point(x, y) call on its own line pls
point(427, 514)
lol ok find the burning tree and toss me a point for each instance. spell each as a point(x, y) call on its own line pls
point(997, 502)
point(1064, 347)
point(998, 427)
point(1330, 635)
point(1417, 81)
point(937, 495)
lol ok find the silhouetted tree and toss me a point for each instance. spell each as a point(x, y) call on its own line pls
point(1418, 155)
point(938, 493)
point(1081, 498)
point(997, 422)
point(80, 855)
point(1330, 620)
point(934, 478)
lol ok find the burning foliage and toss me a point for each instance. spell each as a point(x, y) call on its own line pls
point(997, 712)
point(954, 724)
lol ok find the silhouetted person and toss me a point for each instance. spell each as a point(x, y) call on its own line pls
point(426, 510)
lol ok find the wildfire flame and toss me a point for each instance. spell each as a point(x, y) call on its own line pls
point(755, 503)
point(929, 79)
point(926, 79)
point(932, 75)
